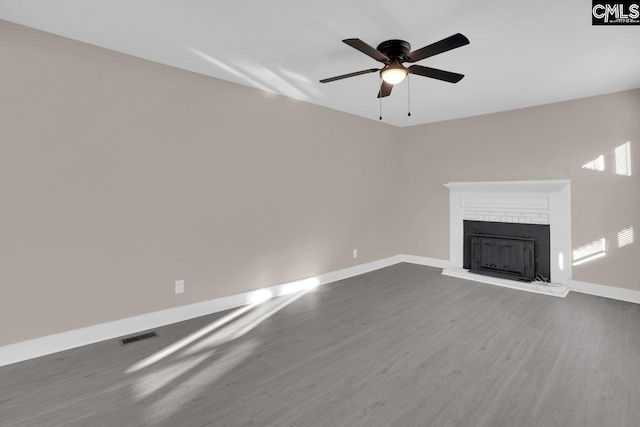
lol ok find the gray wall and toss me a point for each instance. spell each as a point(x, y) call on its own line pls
point(547, 142)
point(119, 176)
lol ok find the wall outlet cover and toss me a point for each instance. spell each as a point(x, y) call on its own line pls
point(179, 286)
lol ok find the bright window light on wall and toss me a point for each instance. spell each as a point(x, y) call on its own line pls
point(590, 251)
point(623, 159)
point(596, 164)
point(625, 237)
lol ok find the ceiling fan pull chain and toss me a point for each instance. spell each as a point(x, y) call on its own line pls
point(409, 94)
point(381, 82)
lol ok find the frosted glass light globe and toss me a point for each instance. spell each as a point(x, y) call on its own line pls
point(394, 75)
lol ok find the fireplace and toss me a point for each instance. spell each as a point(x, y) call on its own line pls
point(510, 251)
point(521, 231)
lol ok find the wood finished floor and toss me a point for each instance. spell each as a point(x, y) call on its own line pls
point(401, 346)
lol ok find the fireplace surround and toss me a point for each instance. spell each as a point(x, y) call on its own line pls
point(544, 202)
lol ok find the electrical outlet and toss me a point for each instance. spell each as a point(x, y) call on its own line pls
point(179, 286)
point(355, 253)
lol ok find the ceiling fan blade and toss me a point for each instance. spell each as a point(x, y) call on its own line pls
point(346, 76)
point(385, 90)
point(434, 73)
point(455, 41)
point(367, 50)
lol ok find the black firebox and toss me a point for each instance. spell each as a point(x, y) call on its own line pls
point(508, 250)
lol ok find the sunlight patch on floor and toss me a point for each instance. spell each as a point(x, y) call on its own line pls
point(184, 392)
point(167, 351)
point(255, 299)
point(154, 381)
point(243, 326)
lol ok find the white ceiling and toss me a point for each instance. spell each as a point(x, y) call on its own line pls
point(522, 52)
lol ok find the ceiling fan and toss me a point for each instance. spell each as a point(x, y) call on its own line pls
point(393, 53)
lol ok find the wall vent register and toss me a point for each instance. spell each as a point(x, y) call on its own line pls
point(136, 338)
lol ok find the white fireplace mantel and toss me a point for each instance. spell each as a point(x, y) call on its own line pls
point(507, 186)
point(525, 202)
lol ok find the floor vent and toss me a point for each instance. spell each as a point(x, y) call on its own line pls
point(137, 338)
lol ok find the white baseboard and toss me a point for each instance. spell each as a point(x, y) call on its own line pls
point(612, 292)
point(50, 344)
point(430, 262)
point(43, 346)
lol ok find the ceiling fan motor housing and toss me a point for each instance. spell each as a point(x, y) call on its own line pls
point(395, 49)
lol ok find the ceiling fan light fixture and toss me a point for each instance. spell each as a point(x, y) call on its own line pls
point(394, 74)
point(394, 53)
